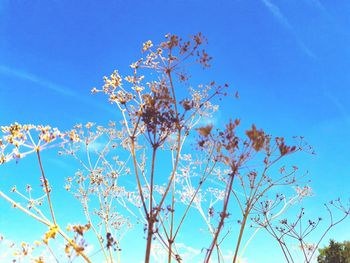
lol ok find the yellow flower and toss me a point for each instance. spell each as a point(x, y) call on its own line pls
point(89, 125)
point(73, 136)
point(139, 88)
point(50, 234)
point(147, 45)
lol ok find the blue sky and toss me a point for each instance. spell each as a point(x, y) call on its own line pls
point(289, 60)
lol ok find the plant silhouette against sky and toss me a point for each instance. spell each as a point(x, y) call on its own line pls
point(162, 160)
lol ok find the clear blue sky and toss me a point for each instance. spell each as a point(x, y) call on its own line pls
point(289, 60)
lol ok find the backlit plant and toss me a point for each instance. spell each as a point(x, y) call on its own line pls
point(162, 160)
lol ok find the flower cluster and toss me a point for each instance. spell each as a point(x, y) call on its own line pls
point(19, 140)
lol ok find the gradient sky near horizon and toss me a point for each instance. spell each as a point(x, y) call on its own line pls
point(289, 61)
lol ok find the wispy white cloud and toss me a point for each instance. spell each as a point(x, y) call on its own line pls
point(332, 20)
point(48, 85)
point(325, 12)
point(338, 105)
point(35, 79)
point(317, 4)
point(283, 20)
point(274, 9)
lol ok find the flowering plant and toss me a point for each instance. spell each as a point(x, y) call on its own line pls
point(141, 170)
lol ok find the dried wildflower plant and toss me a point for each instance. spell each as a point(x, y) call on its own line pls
point(299, 230)
point(139, 170)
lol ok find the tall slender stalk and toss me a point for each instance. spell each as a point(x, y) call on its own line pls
point(47, 190)
point(244, 221)
point(171, 239)
point(223, 215)
point(151, 218)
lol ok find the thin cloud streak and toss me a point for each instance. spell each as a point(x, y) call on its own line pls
point(332, 20)
point(338, 105)
point(282, 19)
point(35, 79)
point(317, 4)
point(323, 10)
point(24, 75)
point(277, 13)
